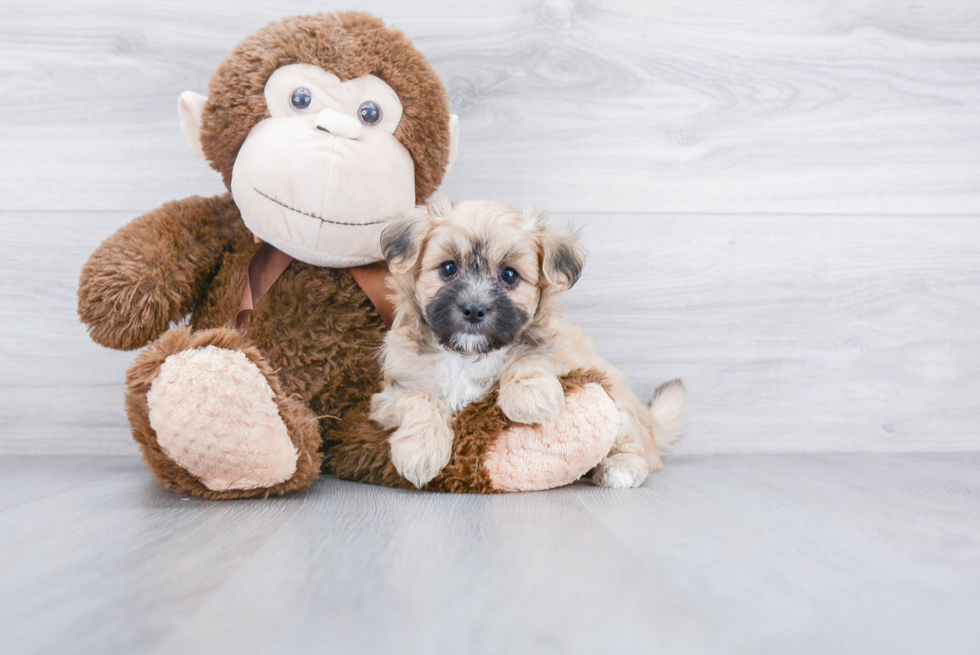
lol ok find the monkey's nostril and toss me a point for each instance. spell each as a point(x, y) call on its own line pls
point(338, 124)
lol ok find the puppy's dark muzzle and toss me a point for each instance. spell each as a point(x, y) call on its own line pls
point(473, 314)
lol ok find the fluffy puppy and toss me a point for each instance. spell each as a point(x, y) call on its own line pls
point(475, 288)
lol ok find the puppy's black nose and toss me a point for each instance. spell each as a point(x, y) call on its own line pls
point(473, 312)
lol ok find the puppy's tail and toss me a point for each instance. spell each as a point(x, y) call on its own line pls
point(667, 410)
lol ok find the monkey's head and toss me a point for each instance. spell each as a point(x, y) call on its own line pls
point(324, 128)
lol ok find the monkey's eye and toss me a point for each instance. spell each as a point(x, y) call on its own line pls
point(509, 276)
point(448, 269)
point(369, 113)
point(301, 99)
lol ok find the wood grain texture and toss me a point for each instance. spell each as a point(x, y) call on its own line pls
point(792, 333)
point(716, 554)
point(627, 105)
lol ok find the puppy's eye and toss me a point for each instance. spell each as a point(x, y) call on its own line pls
point(369, 113)
point(301, 99)
point(448, 269)
point(509, 276)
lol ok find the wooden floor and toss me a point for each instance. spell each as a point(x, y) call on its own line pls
point(866, 553)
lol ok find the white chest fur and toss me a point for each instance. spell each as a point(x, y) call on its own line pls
point(457, 380)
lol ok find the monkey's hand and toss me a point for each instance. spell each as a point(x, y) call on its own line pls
point(153, 270)
point(423, 441)
point(531, 395)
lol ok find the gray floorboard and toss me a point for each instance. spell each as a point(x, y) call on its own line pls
point(717, 554)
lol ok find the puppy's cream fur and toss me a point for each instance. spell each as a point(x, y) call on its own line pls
point(428, 381)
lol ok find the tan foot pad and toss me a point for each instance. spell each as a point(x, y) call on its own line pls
point(530, 458)
point(215, 415)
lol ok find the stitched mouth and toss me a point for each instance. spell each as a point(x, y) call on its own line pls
point(319, 218)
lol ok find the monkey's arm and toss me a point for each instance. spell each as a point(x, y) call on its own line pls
point(153, 270)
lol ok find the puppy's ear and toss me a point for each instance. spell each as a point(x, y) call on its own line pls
point(402, 239)
point(562, 258)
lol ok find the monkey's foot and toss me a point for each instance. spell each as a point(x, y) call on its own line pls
point(213, 421)
point(215, 415)
point(558, 452)
point(490, 453)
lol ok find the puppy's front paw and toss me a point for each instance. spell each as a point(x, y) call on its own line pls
point(532, 400)
point(621, 471)
point(420, 453)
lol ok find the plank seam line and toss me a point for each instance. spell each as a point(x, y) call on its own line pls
point(572, 212)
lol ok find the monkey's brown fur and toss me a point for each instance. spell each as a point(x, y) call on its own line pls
point(349, 44)
point(314, 334)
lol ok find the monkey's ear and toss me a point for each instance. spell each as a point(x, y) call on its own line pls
point(402, 238)
point(190, 108)
point(453, 140)
point(562, 258)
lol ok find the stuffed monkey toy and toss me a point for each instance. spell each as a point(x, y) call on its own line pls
point(323, 128)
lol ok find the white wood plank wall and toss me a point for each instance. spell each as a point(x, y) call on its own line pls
point(781, 197)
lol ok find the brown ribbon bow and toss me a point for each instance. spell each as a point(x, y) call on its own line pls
point(268, 263)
